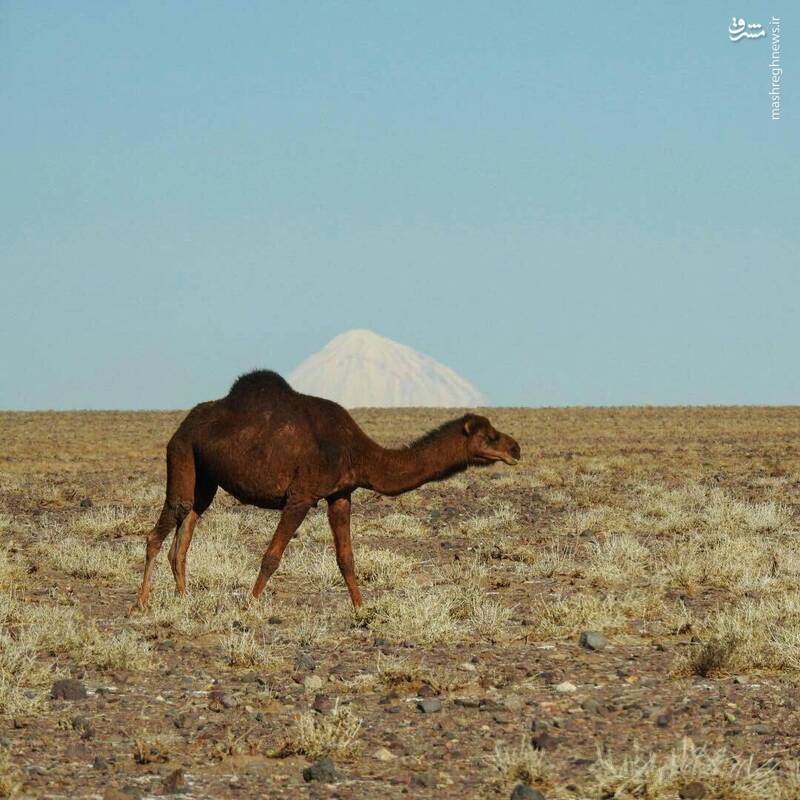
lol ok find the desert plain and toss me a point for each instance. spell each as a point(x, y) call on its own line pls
point(616, 617)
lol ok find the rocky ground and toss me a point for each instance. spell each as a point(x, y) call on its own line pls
point(617, 617)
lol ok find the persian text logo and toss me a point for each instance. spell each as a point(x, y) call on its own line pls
point(739, 29)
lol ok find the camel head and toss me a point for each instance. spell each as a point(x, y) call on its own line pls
point(485, 444)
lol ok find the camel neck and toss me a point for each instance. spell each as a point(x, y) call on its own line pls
point(394, 471)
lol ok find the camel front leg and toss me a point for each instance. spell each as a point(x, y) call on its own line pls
point(290, 521)
point(339, 519)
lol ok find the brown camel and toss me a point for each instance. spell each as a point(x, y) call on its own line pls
point(273, 447)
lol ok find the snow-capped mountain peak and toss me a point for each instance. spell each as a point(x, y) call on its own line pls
point(360, 368)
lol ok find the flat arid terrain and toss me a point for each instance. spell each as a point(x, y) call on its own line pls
point(616, 617)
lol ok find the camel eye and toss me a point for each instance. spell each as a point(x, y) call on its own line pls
point(494, 438)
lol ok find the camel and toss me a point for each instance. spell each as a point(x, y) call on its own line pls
point(272, 447)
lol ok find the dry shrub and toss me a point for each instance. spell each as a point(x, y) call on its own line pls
point(334, 734)
point(436, 615)
point(32, 636)
point(751, 635)
point(521, 763)
point(153, 749)
point(398, 524)
point(107, 520)
point(502, 516)
point(649, 777)
point(9, 777)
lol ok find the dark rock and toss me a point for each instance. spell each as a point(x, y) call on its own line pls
point(68, 689)
point(664, 719)
point(426, 780)
point(430, 705)
point(175, 783)
point(322, 704)
point(692, 791)
point(467, 702)
point(304, 663)
point(86, 502)
point(592, 640)
point(524, 792)
point(487, 704)
point(426, 691)
point(274, 621)
point(322, 771)
point(101, 763)
point(544, 741)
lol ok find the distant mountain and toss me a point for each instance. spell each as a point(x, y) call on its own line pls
point(359, 368)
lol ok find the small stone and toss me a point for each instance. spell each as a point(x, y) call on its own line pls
point(426, 691)
point(228, 700)
point(592, 640)
point(312, 683)
point(730, 717)
point(524, 792)
point(86, 502)
point(566, 687)
point(322, 704)
point(487, 704)
point(762, 729)
point(467, 667)
point(304, 663)
point(274, 621)
point(692, 791)
point(664, 719)
point(382, 754)
point(175, 783)
point(101, 763)
point(68, 689)
point(322, 771)
point(740, 679)
point(430, 705)
point(592, 706)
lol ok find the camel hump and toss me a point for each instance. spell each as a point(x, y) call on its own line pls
point(258, 383)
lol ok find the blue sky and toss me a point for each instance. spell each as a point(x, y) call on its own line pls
point(567, 204)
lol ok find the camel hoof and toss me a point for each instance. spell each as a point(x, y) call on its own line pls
point(136, 608)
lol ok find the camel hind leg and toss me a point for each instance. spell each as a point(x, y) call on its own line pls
point(177, 507)
point(204, 494)
point(339, 520)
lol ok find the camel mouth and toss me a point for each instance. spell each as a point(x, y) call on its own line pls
point(495, 457)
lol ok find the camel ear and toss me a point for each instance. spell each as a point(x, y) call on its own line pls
point(469, 424)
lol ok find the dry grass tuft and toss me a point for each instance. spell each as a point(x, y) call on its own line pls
point(334, 734)
point(641, 777)
point(751, 635)
point(521, 763)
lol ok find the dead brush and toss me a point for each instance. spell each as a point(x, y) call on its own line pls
point(318, 735)
point(153, 749)
point(722, 775)
point(10, 783)
point(521, 763)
